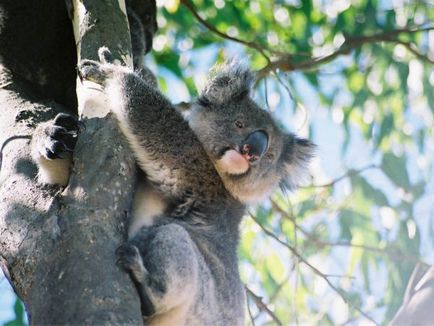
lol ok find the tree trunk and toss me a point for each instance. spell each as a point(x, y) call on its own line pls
point(57, 246)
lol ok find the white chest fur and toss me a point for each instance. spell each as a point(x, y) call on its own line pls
point(148, 204)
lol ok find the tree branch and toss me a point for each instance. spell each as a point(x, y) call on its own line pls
point(262, 306)
point(252, 319)
point(348, 174)
point(393, 253)
point(313, 268)
point(58, 245)
point(410, 47)
point(285, 63)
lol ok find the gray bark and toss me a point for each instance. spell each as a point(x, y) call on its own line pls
point(57, 246)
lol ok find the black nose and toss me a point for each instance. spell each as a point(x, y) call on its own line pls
point(255, 145)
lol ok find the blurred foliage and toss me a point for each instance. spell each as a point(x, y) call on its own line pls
point(342, 248)
point(357, 78)
point(20, 318)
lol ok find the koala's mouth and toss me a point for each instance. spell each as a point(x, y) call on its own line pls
point(254, 146)
point(237, 160)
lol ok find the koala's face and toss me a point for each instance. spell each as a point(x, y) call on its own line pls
point(249, 152)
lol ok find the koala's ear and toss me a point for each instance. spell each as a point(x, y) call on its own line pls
point(296, 156)
point(228, 82)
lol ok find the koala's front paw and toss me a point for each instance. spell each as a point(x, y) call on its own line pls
point(60, 136)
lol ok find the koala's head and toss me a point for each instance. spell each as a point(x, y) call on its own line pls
point(250, 153)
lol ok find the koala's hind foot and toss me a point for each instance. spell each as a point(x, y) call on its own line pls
point(99, 72)
point(92, 71)
point(163, 263)
point(128, 257)
point(52, 145)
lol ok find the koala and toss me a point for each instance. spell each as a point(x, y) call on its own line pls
point(200, 172)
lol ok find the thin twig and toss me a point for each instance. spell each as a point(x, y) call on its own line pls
point(288, 91)
point(252, 319)
point(314, 269)
point(410, 47)
point(261, 49)
point(296, 101)
point(262, 306)
point(390, 251)
point(274, 295)
point(340, 276)
point(349, 174)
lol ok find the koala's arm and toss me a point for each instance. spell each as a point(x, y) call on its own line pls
point(162, 141)
point(52, 145)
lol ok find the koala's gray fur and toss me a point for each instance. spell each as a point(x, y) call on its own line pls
point(184, 261)
point(200, 174)
point(143, 25)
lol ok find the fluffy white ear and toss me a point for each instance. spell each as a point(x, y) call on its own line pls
point(227, 82)
point(296, 157)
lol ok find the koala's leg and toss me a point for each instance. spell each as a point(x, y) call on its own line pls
point(163, 262)
point(162, 141)
point(52, 146)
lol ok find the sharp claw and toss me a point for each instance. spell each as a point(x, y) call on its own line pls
point(50, 155)
point(81, 126)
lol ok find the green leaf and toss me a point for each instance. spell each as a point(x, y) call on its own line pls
point(169, 60)
point(275, 267)
point(307, 8)
point(386, 128)
point(356, 82)
point(19, 315)
point(369, 191)
point(395, 168)
point(418, 190)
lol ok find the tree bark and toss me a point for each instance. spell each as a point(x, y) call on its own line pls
point(57, 246)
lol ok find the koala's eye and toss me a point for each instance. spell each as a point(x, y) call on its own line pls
point(239, 124)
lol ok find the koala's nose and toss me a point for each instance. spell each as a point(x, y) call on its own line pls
point(254, 145)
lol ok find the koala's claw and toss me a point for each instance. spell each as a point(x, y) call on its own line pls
point(105, 56)
point(61, 136)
